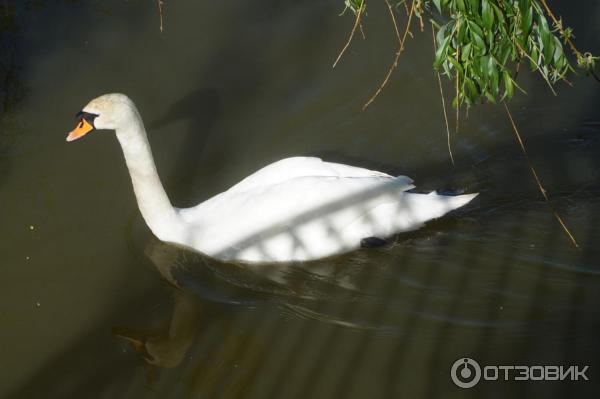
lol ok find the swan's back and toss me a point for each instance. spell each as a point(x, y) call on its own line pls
point(291, 168)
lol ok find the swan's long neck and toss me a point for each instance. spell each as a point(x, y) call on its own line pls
point(151, 197)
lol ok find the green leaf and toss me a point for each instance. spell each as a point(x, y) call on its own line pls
point(526, 24)
point(558, 50)
point(477, 38)
point(494, 77)
point(505, 51)
point(533, 62)
point(441, 35)
point(441, 52)
point(499, 14)
point(474, 6)
point(547, 39)
point(476, 28)
point(484, 66)
point(465, 52)
point(456, 64)
point(472, 92)
point(508, 84)
point(490, 97)
point(487, 14)
point(461, 32)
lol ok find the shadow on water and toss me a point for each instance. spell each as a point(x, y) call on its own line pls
point(13, 19)
point(11, 87)
point(201, 110)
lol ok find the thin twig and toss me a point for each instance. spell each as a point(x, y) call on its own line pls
point(356, 24)
point(559, 26)
point(537, 179)
point(400, 49)
point(457, 125)
point(394, 20)
point(443, 100)
point(405, 8)
point(566, 37)
point(362, 31)
point(160, 12)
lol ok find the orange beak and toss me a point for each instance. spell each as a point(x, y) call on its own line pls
point(82, 128)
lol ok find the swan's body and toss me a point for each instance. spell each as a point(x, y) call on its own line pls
point(296, 209)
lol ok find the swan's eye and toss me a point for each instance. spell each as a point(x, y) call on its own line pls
point(89, 117)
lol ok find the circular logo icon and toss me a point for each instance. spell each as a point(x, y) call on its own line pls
point(465, 372)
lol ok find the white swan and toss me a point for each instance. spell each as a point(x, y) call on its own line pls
point(296, 209)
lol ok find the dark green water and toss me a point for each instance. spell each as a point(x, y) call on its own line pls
point(227, 88)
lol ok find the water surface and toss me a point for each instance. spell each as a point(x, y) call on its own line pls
point(227, 88)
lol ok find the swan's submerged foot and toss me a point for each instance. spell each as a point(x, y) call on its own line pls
point(372, 242)
point(137, 341)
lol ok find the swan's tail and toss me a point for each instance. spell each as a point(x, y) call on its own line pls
point(442, 204)
point(424, 207)
point(456, 201)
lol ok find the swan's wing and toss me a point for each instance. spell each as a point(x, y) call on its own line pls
point(291, 168)
point(307, 214)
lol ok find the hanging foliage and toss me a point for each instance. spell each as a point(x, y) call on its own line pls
point(481, 44)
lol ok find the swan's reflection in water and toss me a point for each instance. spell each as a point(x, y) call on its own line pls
point(378, 290)
point(199, 284)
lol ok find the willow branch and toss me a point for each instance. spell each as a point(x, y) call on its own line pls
point(400, 50)
point(537, 180)
point(356, 24)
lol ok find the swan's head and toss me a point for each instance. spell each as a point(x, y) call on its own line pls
point(109, 111)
